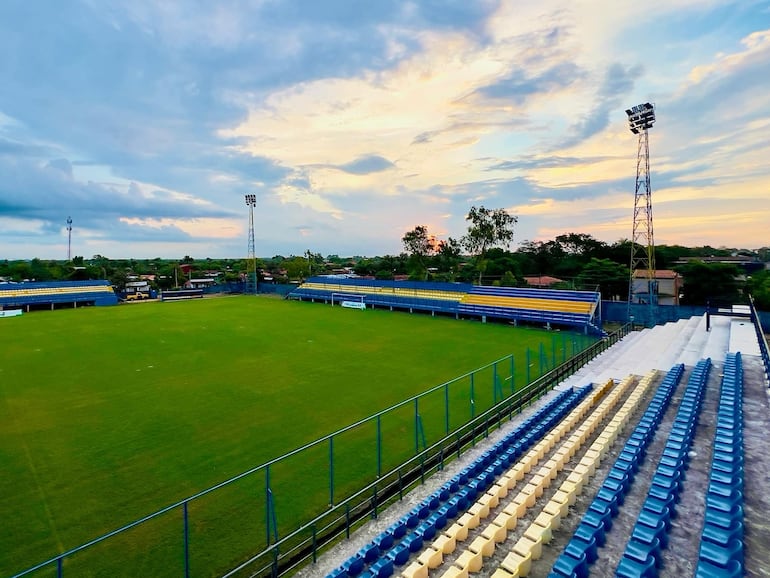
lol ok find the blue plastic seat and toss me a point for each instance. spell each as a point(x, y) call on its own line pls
point(705, 569)
point(722, 535)
point(397, 529)
point(586, 540)
point(648, 535)
point(721, 555)
point(369, 553)
point(399, 554)
point(722, 503)
point(414, 542)
point(630, 568)
point(382, 568)
point(567, 565)
point(353, 565)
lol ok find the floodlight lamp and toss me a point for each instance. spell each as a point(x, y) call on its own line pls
point(251, 200)
point(640, 117)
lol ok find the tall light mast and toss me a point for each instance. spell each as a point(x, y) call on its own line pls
point(69, 238)
point(251, 260)
point(640, 119)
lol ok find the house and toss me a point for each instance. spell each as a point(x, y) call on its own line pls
point(669, 285)
point(542, 281)
point(135, 287)
point(200, 283)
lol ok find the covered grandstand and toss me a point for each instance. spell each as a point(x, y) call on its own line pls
point(649, 461)
point(575, 309)
point(30, 296)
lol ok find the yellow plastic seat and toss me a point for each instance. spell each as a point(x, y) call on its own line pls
point(431, 558)
point(470, 561)
point(446, 543)
point(517, 564)
point(415, 570)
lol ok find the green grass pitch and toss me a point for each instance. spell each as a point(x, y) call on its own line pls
point(109, 414)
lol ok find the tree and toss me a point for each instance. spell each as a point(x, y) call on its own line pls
point(611, 278)
point(508, 280)
point(296, 268)
point(420, 245)
point(315, 262)
point(758, 286)
point(714, 283)
point(581, 244)
point(448, 257)
point(488, 228)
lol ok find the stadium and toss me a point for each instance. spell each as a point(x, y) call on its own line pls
point(568, 452)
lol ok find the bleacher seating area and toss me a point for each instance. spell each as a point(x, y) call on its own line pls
point(49, 294)
point(501, 515)
point(543, 306)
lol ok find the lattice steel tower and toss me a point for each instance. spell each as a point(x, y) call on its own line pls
point(251, 260)
point(69, 238)
point(640, 119)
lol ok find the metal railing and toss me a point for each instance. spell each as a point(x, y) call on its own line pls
point(763, 346)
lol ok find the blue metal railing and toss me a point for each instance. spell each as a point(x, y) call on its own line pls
point(763, 347)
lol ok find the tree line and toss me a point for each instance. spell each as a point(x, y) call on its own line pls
point(481, 256)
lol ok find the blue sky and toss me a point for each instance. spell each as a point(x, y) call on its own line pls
point(353, 122)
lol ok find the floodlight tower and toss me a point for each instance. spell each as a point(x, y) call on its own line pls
point(251, 260)
point(69, 238)
point(640, 119)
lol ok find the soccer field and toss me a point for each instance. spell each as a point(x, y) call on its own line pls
point(108, 414)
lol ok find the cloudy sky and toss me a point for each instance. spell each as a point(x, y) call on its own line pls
point(353, 122)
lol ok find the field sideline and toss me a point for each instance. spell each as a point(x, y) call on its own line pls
point(108, 414)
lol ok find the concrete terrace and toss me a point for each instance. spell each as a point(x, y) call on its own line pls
point(649, 352)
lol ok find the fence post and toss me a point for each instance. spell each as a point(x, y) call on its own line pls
point(542, 355)
point(446, 408)
point(416, 426)
point(347, 521)
point(513, 378)
point(272, 521)
point(267, 503)
point(473, 398)
point(315, 544)
point(186, 540)
point(528, 367)
point(563, 348)
point(495, 385)
point(553, 351)
point(379, 445)
point(331, 470)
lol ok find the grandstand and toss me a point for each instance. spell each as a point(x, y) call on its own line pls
point(31, 296)
point(576, 309)
point(648, 461)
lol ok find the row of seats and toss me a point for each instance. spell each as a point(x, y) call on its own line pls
point(426, 292)
point(721, 548)
point(533, 315)
point(551, 294)
point(533, 305)
point(643, 554)
point(582, 549)
point(509, 302)
point(394, 546)
point(382, 300)
point(53, 291)
point(528, 548)
point(483, 546)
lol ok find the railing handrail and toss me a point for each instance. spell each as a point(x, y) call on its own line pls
point(764, 348)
